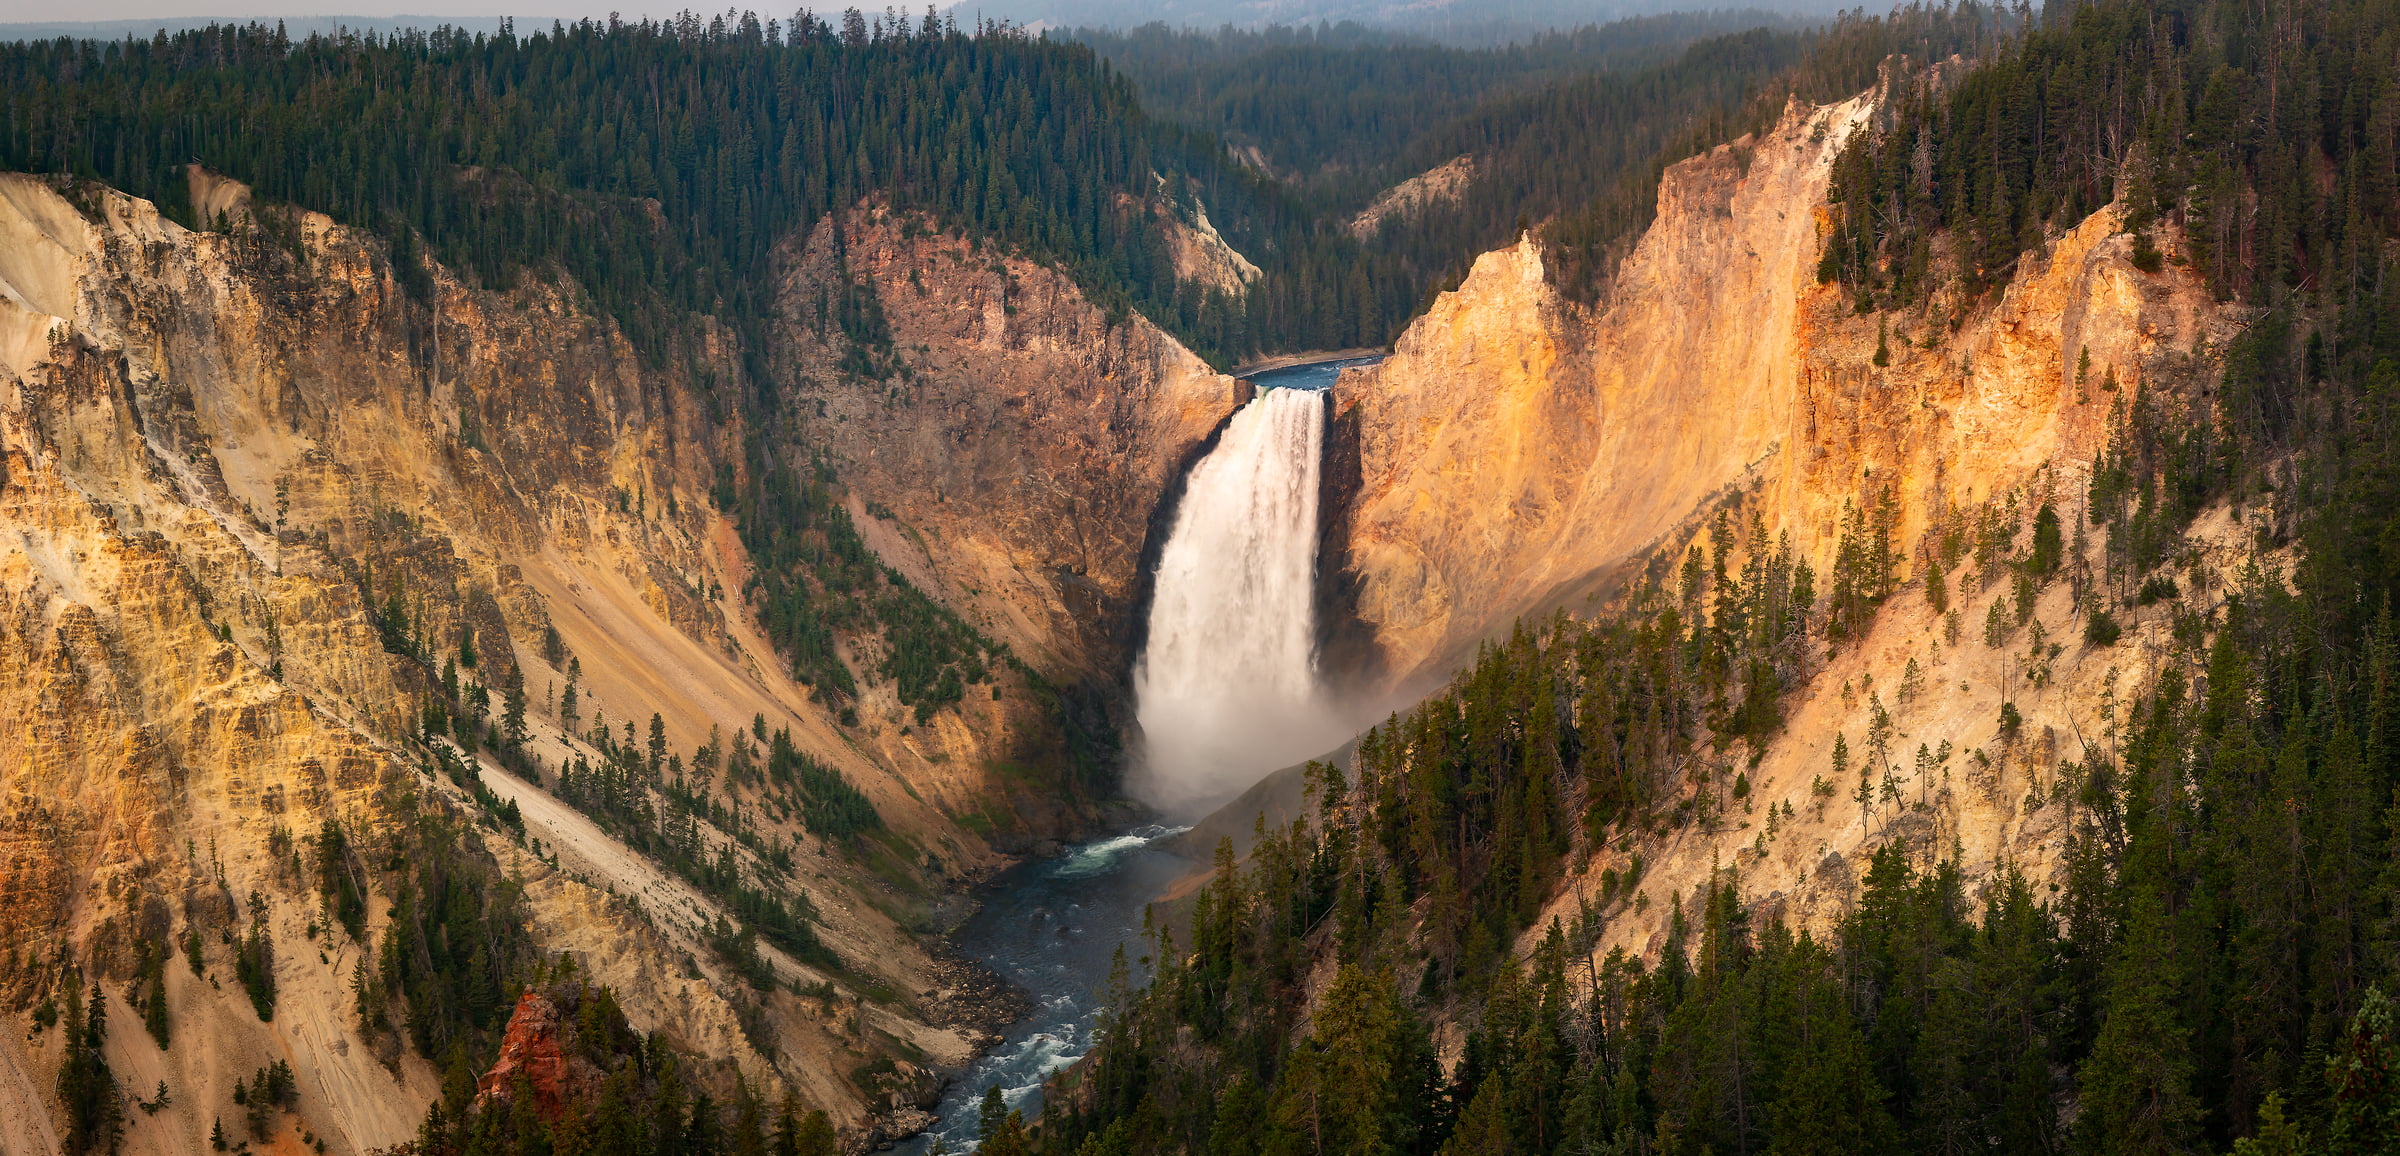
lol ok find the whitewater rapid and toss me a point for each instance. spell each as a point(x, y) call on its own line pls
point(1052, 928)
point(1227, 687)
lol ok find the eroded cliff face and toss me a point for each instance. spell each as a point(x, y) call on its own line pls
point(1442, 184)
point(1515, 449)
point(239, 468)
point(1015, 449)
point(1996, 417)
point(1518, 454)
point(1512, 445)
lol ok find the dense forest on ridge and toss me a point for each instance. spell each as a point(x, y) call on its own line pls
point(537, 153)
point(507, 154)
point(1340, 104)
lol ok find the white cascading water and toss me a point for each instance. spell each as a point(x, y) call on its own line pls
point(1227, 686)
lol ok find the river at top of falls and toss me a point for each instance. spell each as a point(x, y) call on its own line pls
point(1227, 688)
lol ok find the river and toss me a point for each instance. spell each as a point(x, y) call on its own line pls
point(1308, 374)
point(1053, 926)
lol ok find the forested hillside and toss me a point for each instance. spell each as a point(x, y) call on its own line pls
point(2210, 967)
point(545, 151)
point(517, 153)
point(1567, 131)
point(1340, 105)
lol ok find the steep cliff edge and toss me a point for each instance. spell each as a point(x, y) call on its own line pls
point(1006, 443)
point(1019, 437)
point(264, 500)
point(1513, 444)
point(1519, 453)
point(1516, 448)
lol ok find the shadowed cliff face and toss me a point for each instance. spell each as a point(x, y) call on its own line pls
point(231, 463)
point(1018, 440)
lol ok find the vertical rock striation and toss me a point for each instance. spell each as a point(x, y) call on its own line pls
point(1520, 453)
point(1516, 448)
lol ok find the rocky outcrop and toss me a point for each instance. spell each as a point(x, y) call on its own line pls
point(1442, 184)
point(1514, 445)
point(1515, 449)
point(1202, 256)
point(537, 1059)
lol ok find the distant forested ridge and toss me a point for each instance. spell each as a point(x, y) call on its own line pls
point(1568, 131)
point(2266, 133)
point(659, 163)
point(1340, 105)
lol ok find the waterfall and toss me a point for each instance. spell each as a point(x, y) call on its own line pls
point(1226, 689)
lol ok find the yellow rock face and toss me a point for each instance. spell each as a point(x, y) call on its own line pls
point(1519, 453)
point(222, 454)
point(1516, 449)
point(1514, 445)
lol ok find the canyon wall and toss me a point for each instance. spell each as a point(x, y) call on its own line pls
point(1516, 449)
point(1514, 444)
point(1016, 451)
point(1520, 453)
point(1007, 446)
point(240, 469)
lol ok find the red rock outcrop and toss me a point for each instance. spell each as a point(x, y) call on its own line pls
point(537, 1049)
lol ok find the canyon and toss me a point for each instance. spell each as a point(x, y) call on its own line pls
point(237, 460)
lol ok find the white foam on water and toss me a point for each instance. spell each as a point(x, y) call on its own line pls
point(1227, 687)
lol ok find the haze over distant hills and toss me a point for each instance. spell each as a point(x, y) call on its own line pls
point(295, 25)
point(1455, 21)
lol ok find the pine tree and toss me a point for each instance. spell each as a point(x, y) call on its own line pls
point(2137, 1095)
point(86, 1087)
point(1830, 1104)
point(1344, 1087)
point(1002, 1129)
point(154, 993)
point(512, 717)
point(2049, 547)
point(815, 1136)
point(2362, 1079)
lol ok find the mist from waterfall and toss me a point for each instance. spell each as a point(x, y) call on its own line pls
point(1227, 687)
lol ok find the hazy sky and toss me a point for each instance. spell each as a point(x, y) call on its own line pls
point(1205, 13)
point(46, 11)
point(529, 14)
